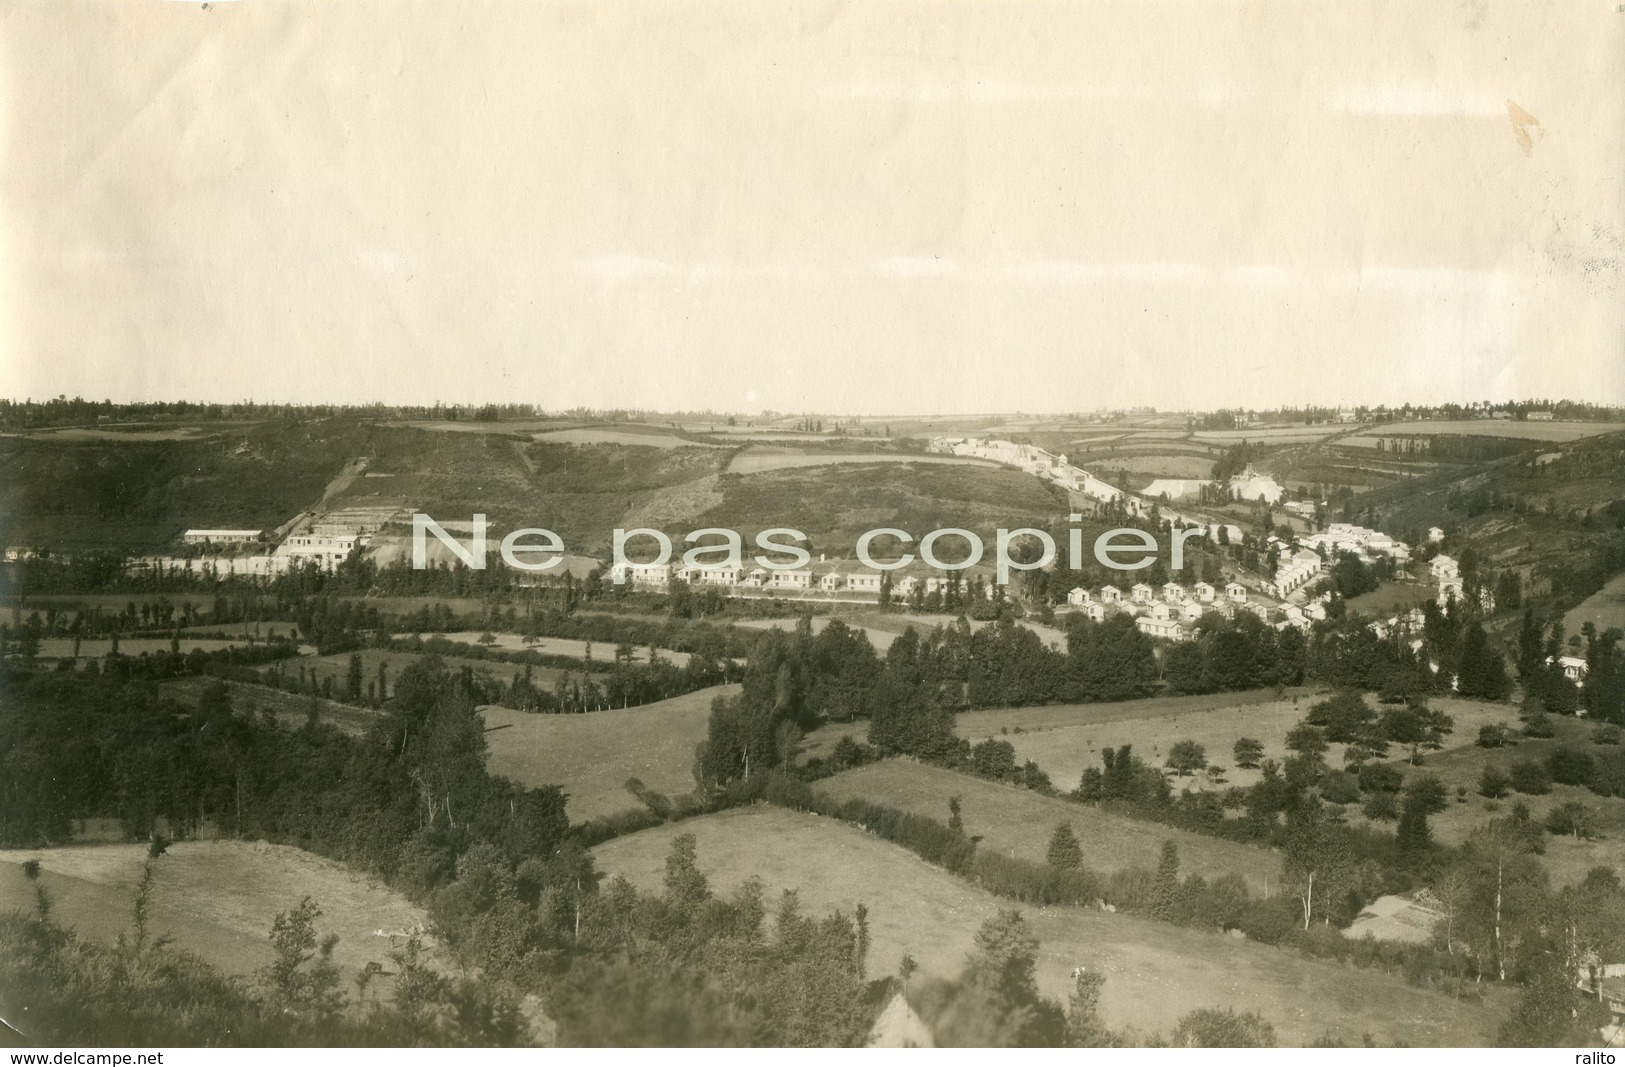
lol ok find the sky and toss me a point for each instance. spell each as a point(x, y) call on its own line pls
point(870, 207)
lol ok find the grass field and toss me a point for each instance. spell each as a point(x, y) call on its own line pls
point(1527, 431)
point(602, 652)
point(591, 756)
point(1065, 739)
point(1568, 860)
point(1154, 972)
point(337, 667)
point(617, 437)
point(1019, 822)
point(881, 639)
point(1391, 598)
point(290, 709)
point(217, 899)
point(1605, 608)
point(757, 460)
point(96, 648)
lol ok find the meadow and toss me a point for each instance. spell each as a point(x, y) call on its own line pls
point(1460, 765)
point(1510, 428)
point(290, 709)
point(217, 899)
point(1155, 972)
point(1019, 822)
point(603, 654)
point(1063, 739)
point(591, 756)
point(1604, 609)
point(758, 460)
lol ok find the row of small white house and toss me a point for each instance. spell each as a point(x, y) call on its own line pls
point(838, 576)
point(1178, 608)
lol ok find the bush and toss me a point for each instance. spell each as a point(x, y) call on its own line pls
point(1381, 807)
point(1530, 777)
point(1608, 775)
point(1493, 782)
point(1571, 817)
point(1186, 757)
point(1339, 787)
point(1569, 766)
point(1492, 735)
point(1606, 734)
point(1537, 726)
point(1381, 778)
point(1223, 1028)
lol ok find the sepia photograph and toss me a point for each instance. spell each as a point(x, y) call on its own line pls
point(1060, 524)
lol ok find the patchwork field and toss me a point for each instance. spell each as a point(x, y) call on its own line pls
point(591, 756)
point(1155, 972)
point(1019, 822)
point(217, 899)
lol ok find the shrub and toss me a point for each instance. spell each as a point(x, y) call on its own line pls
point(1381, 807)
point(1530, 777)
point(1339, 787)
point(1428, 793)
point(1537, 726)
point(1571, 817)
point(1606, 734)
point(1223, 1028)
point(1186, 757)
point(1381, 778)
point(1569, 766)
point(1492, 735)
point(1493, 782)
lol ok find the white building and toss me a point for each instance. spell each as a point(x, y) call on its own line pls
point(1079, 597)
point(220, 537)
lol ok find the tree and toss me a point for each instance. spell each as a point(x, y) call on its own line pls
point(301, 978)
point(1571, 818)
point(1165, 890)
point(1480, 669)
point(1493, 782)
point(1186, 757)
point(1307, 741)
point(1064, 850)
point(1530, 777)
point(1248, 752)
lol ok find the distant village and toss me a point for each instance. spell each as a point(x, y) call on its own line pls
point(1168, 612)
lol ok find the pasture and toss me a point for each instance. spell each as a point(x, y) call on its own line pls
point(1460, 765)
point(1604, 609)
point(337, 667)
point(1019, 822)
point(591, 756)
point(290, 709)
point(217, 899)
point(1509, 428)
point(96, 648)
point(616, 437)
point(1154, 972)
point(601, 652)
point(1064, 739)
point(757, 460)
point(1390, 599)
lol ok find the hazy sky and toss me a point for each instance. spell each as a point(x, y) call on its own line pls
point(863, 207)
